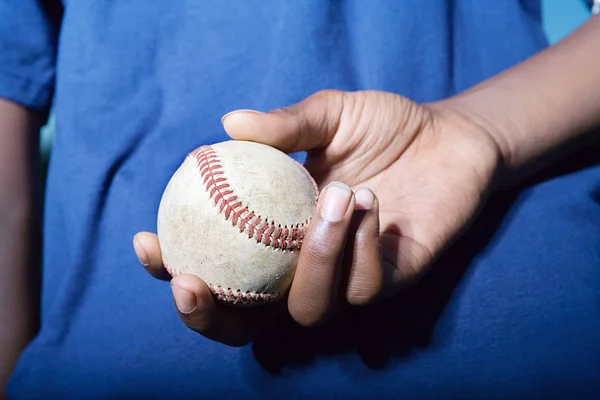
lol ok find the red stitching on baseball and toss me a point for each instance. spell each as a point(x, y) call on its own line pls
point(233, 296)
point(263, 231)
point(237, 296)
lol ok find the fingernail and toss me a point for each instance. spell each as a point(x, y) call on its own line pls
point(336, 200)
point(242, 111)
point(186, 302)
point(141, 253)
point(364, 198)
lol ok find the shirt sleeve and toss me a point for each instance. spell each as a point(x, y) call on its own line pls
point(28, 41)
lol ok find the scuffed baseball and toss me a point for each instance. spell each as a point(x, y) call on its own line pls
point(235, 214)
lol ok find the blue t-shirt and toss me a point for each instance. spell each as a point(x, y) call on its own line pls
point(512, 310)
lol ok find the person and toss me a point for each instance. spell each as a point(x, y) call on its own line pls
point(454, 250)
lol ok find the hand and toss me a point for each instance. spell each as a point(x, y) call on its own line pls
point(400, 181)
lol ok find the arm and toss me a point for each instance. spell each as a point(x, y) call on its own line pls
point(431, 169)
point(19, 271)
point(543, 109)
point(28, 39)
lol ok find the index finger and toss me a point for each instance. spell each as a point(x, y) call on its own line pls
point(147, 249)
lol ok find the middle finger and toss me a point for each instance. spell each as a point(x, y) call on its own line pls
point(315, 294)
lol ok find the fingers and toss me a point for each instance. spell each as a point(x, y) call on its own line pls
point(148, 252)
point(307, 125)
point(366, 275)
point(196, 305)
point(315, 293)
point(201, 312)
point(339, 264)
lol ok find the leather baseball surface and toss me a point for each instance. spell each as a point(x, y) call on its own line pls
point(235, 214)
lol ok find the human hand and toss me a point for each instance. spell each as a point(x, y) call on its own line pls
point(400, 181)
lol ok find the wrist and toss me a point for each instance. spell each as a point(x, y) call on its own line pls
point(543, 109)
point(457, 112)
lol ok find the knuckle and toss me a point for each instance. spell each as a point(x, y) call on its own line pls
point(365, 239)
point(328, 94)
point(364, 290)
point(361, 299)
point(318, 252)
point(333, 101)
point(369, 227)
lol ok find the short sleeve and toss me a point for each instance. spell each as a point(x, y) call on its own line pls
point(28, 42)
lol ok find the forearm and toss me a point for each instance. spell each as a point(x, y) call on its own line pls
point(543, 108)
point(19, 269)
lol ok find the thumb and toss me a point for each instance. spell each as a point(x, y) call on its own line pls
point(307, 125)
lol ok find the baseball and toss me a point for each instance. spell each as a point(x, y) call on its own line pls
point(235, 214)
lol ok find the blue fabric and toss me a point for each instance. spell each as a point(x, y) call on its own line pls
point(512, 311)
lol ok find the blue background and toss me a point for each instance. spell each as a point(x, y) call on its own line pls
point(561, 17)
point(504, 330)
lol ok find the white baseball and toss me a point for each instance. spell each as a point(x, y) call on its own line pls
point(235, 214)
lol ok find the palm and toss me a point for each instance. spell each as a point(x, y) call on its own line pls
point(430, 175)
